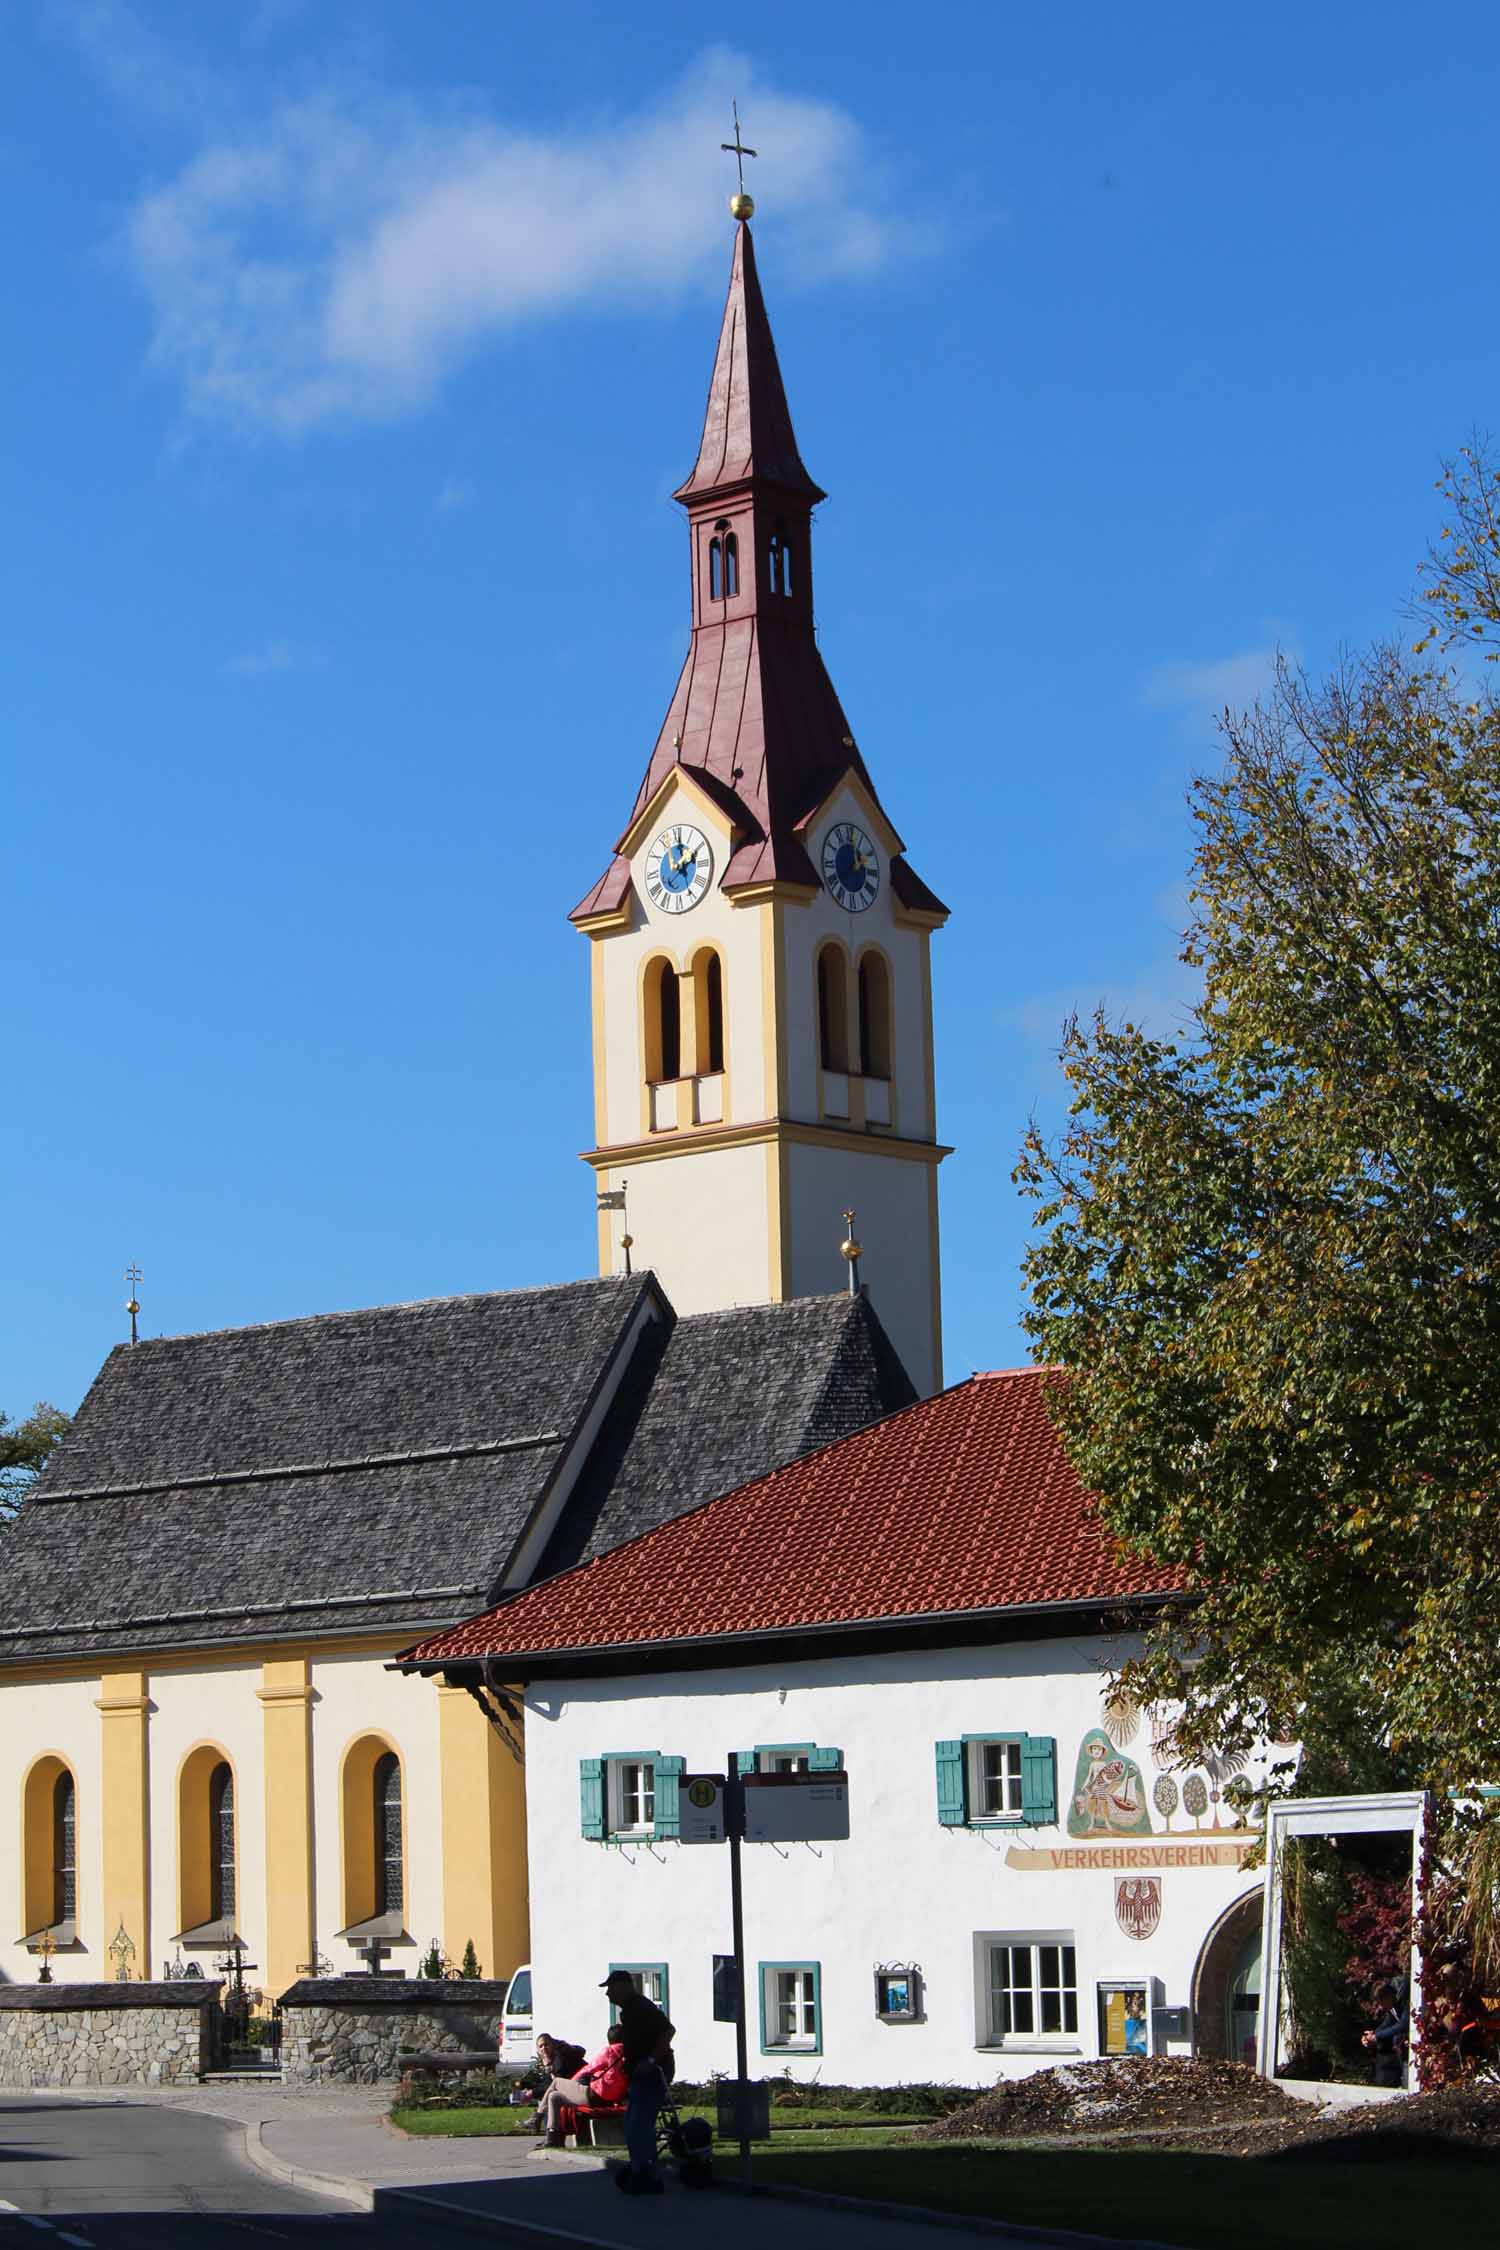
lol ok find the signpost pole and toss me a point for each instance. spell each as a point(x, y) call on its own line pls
point(734, 1824)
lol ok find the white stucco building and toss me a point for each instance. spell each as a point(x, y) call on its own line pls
point(929, 1608)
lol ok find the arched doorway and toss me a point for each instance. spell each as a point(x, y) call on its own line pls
point(1226, 1983)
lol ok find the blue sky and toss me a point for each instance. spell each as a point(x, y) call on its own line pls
point(352, 352)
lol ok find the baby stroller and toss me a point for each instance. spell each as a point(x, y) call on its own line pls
point(686, 2142)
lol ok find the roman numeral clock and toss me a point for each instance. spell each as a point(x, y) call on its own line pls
point(851, 867)
point(678, 867)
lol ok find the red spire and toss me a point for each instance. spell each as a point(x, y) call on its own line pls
point(754, 717)
point(747, 430)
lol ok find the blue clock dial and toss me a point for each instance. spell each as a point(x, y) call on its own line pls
point(851, 867)
point(678, 867)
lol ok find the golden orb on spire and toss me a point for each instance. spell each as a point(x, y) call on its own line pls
point(741, 205)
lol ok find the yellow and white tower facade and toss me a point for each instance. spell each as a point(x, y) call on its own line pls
point(761, 975)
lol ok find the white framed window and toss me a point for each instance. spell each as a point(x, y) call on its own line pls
point(786, 1761)
point(1028, 1989)
point(791, 2006)
point(631, 1785)
point(994, 1778)
point(648, 1977)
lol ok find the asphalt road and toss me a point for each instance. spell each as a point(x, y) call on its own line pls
point(115, 2177)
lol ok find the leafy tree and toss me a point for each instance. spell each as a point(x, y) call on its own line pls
point(1268, 1251)
point(25, 1448)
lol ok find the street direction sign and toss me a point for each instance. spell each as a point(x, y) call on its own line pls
point(796, 1808)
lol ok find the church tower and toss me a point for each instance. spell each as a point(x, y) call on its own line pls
point(762, 990)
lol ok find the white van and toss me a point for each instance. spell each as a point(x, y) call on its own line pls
point(517, 2032)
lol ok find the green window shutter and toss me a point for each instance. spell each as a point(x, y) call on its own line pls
point(760, 1978)
point(1038, 1780)
point(817, 1981)
point(826, 1761)
point(668, 1776)
point(746, 1761)
point(950, 1784)
point(591, 1797)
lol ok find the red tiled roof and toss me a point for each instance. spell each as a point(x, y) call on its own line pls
point(962, 1502)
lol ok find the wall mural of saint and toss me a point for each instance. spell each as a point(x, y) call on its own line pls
point(1109, 1796)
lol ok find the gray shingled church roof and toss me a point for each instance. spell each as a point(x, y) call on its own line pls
point(375, 1470)
point(763, 1382)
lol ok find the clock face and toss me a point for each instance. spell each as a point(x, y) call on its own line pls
point(678, 867)
point(850, 867)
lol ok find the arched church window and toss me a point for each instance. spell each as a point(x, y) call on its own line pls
point(781, 560)
point(49, 1847)
point(663, 1021)
point(390, 1889)
point(221, 1862)
point(874, 1016)
point(708, 1005)
point(731, 564)
point(716, 570)
point(64, 1848)
point(833, 1008)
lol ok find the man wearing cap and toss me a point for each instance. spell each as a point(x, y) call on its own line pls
point(649, 2063)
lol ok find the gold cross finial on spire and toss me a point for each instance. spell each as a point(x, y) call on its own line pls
point(133, 1279)
point(741, 205)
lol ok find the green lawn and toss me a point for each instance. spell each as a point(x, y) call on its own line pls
point(1209, 2202)
point(464, 2123)
point(461, 2124)
point(1206, 2202)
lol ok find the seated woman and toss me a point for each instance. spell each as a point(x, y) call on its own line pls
point(555, 2058)
point(601, 2084)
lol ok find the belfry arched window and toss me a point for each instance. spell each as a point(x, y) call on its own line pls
point(874, 1016)
point(663, 1022)
point(708, 1012)
point(731, 564)
point(833, 1008)
point(716, 570)
point(221, 1862)
point(781, 560)
point(390, 1886)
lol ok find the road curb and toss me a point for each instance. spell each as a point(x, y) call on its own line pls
point(263, 2159)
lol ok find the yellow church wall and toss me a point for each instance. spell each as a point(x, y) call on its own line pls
point(484, 1838)
point(56, 1722)
point(701, 1223)
point(136, 1741)
point(197, 1718)
point(285, 1697)
point(355, 1700)
point(896, 1207)
point(124, 1839)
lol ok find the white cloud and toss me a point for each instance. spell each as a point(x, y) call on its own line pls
point(273, 656)
point(336, 261)
point(1200, 690)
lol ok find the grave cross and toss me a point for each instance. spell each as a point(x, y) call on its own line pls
point(374, 1953)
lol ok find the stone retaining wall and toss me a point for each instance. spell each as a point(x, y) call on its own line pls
point(104, 2034)
point(352, 2030)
